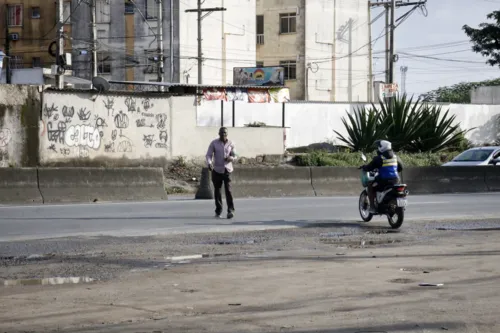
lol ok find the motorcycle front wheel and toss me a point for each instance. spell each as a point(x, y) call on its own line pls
point(364, 207)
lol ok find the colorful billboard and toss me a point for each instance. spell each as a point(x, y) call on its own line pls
point(259, 76)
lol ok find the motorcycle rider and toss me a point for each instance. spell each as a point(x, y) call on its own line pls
point(388, 165)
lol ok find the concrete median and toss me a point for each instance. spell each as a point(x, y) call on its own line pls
point(60, 185)
point(428, 180)
point(492, 178)
point(272, 182)
point(332, 181)
point(329, 181)
point(19, 185)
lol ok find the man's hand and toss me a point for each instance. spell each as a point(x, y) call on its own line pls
point(229, 159)
point(210, 167)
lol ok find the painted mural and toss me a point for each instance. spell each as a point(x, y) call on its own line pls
point(79, 126)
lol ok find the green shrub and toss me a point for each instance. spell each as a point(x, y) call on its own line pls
point(410, 126)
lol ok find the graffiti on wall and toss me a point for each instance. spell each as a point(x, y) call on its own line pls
point(5, 138)
point(107, 125)
point(82, 136)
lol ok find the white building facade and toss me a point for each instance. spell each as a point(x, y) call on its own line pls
point(324, 46)
point(228, 40)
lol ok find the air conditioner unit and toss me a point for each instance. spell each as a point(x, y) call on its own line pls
point(14, 36)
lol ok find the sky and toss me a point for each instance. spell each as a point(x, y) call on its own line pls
point(438, 35)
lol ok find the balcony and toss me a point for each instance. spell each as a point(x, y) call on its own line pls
point(260, 39)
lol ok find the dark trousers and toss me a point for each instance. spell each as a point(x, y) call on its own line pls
point(217, 180)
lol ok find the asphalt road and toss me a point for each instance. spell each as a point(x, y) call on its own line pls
point(180, 216)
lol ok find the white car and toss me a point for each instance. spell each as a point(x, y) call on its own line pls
point(477, 157)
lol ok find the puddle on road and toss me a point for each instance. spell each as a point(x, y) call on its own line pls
point(48, 281)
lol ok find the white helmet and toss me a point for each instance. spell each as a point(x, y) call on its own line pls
point(383, 145)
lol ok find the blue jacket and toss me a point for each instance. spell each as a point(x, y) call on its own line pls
point(388, 165)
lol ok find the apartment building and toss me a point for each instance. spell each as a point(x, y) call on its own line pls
point(323, 45)
point(125, 32)
point(128, 34)
point(28, 31)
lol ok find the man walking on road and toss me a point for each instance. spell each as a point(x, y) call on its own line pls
point(220, 157)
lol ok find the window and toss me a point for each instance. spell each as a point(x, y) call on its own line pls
point(16, 62)
point(35, 12)
point(290, 67)
point(129, 8)
point(151, 61)
point(103, 63)
point(102, 36)
point(36, 62)
point(15, 15)
point(67, 13)
point(473, 155)
point(260, 29)
point(288, 23)
point(103, 11)
point(151, 9)
point(260, 64)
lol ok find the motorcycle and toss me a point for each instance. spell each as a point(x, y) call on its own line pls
point(392, 201)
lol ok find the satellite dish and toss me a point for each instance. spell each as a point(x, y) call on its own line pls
point(100, 84)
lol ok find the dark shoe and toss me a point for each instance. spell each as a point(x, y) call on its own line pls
point(218, 216)
point(230, 215)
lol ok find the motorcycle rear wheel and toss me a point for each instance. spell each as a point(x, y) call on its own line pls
point(396, 223)
point(364, 207)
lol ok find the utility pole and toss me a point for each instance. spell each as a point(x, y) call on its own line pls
point(391, 52)
point(404, 69)
point(94, 37)
point(387, 57)
point(350, 60)
point(308, 67)
point(208, 11)
point(7, 45)
point(200, 53)
point(60, 44)
point(161, 58)
point(390, 27)
point(172, 41)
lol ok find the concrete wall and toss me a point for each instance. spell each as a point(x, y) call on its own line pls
point(485, 95)
point(309, 123)
point(19, 109)
point(193, 141)
point(84, 126)
point(79, 128)
point(234, 28)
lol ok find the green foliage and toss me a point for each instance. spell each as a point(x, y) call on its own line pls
point(438, 131)
point(409, 125)
point(362, 129)
point(323, 158)
point(486, 39)
point(402, 119)
point(458, 93)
